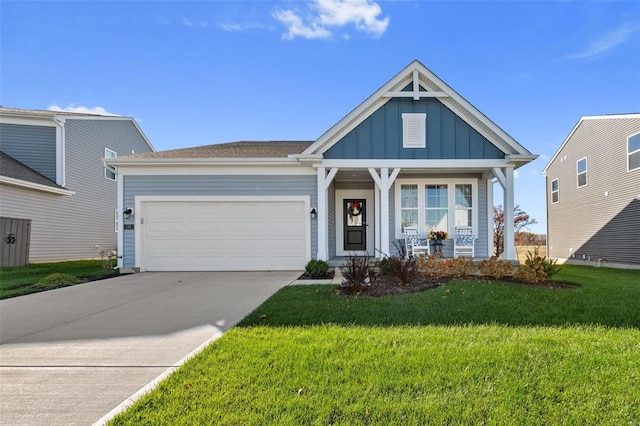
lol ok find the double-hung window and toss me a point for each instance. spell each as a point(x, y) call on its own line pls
point(555, 191)
point(436, 207)
point(464, 205)
point(409, 205)
point(633, 152)
point(109, 171)
point(581, 167)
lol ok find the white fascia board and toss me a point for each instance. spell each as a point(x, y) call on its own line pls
point(416, 164)
point(28, 120)
point(185, 170)
point(31, 185)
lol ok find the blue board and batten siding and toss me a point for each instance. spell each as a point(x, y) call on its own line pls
point(216, 185)
point(34, 146)
point(380, 135)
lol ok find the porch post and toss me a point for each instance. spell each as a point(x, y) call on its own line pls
point(490, 244)
point(384, 182)
point(377, 251)
point(509, 238)
point(322, 213)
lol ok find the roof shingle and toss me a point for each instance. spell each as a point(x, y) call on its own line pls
point(244, 149)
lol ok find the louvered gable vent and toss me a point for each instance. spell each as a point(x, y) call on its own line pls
point(414, 130)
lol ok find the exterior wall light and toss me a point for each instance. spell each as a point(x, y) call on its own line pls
point(127, 212)
point(314, 213)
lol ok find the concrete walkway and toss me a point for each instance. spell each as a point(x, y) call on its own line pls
point(70, 356)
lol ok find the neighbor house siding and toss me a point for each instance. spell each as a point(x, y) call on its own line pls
point(215, 185)
point(380, 135)
point(69, 227)
point(33, 146)
point(599, 220)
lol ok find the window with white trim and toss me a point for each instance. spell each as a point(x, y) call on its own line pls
point(436, 208)
point(633, 152)
point(409, 205)
point(115, 220)
point(555, 191)
point(414, 130)
point(442, 204)
point(581, 169)
point(110, 171)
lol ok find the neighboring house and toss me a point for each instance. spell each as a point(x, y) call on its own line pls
point(593, 192)
point(52, 173)
point(414, 153)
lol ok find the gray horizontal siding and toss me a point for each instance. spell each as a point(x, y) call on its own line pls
point(33, 146)
point(380, 135)
point(599, 220)
point(215, 185)
point(68, 227)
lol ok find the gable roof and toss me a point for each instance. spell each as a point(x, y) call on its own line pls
point(242, 149)
point(582, 119)
point(16, 173)
point(416, 72)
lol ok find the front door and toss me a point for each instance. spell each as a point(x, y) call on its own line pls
point(355, 224)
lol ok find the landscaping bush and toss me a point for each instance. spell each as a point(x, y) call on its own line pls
point(457, 267)
point(427, 266)
point(495, 268)
point(356, 273)
point(399, 270)
point(57, 280)
point(317, 269)
point(549, 266)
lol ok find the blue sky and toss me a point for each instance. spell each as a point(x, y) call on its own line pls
point(197, 73)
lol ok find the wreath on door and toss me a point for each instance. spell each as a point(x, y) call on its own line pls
point(355, 208)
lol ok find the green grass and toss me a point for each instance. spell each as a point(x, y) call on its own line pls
point(466, 353)
point(22, 280)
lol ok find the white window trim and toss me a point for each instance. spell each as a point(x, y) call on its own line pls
point(557, 190)
point(451, 184)
point(629, 153)
point(108, 151)
point(409, 140)
point(586, 169)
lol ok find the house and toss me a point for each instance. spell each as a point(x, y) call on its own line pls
point(414, 153)
point(593, 193)
point(52, 178)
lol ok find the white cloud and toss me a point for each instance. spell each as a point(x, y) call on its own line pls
point(607, 42)
point(325, 15)
point(186, 22)
point(516, 174)
point(233, 26)
point(80, 109)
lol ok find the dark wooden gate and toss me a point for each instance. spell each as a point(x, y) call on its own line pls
point(16, 237)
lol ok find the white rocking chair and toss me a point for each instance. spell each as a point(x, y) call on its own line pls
point(414, 244)
point(464, 242)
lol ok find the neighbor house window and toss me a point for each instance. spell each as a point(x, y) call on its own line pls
point(436, 207)
point(414, 130)
point(109, 171)
point(409, 205)
point(555, 189)
point(435, 204)
point(582, 172)
point(464, 205)
point(633, 152)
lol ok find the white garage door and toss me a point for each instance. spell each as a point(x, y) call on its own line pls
point(225, 235)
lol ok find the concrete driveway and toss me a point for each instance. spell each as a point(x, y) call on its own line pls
point(72, 355)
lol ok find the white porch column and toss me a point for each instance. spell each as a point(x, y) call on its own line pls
point(490, 245)
point(377, 251)
point(323, 183)
point(384, 182)
point(509, 238)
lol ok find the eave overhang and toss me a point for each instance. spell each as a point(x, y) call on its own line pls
point(31, 185)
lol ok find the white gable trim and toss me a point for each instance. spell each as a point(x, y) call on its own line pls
point(435, 87)
point(32, 185)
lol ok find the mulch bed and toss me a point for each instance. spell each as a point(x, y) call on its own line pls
point(329, 276)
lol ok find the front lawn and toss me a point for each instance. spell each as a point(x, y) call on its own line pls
point(23, 279)
point(466, 353)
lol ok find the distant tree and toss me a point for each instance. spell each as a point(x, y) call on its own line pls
point(521, 220)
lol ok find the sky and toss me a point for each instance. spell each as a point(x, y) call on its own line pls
point(205, 72)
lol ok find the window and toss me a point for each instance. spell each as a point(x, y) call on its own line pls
point(555, 189)
point(464, 205)
point(110, 171)
point(115, 221)
point(633, 152)
point(409, 205)
point(581, 166)
point(436, 207)
point(414, 130)
point(438, 204)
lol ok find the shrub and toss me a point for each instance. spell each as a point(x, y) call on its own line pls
point(356, 273)
point(57, 280)
point(549, 266)
point(400, 270)
point(428, 265)
point(458, 267)
point(495, 268)
point(317, 269)
point(531, 273)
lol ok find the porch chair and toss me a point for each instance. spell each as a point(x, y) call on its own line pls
point(414, 244)
point(464, 242)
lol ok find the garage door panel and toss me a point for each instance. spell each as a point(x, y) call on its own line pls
point(216, 235)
